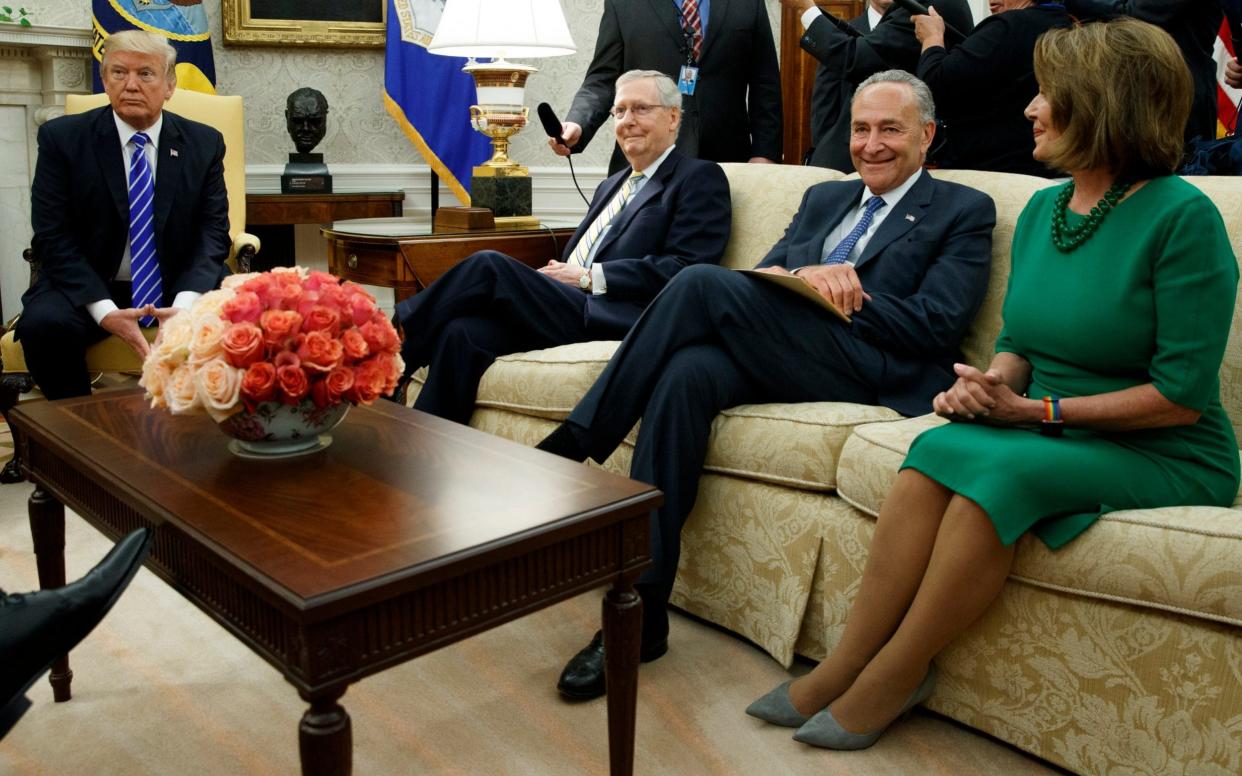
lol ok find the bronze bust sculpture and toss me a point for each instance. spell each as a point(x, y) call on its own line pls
point(306, 118)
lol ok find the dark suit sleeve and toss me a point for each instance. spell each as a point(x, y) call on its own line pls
point(204, 266)
point(934, 319)
point(764, 96)
point(890, 45)
point(701, 215)
point(594, 98)
point(778, 256)
point(1157, 12)
point(980, 64)
point(63, 263)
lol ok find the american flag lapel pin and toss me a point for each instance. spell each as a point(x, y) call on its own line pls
point(173, 152)
point(909, 216)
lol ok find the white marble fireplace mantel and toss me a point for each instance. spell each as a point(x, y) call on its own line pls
point(38, 67)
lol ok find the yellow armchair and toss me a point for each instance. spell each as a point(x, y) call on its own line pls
point(113, 355)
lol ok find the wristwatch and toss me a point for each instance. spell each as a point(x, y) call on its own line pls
point(584, 280)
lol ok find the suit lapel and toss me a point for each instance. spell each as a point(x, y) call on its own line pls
point(167, 170)
point(909, 212)
point(834, 213)
point(650, 190)
point(603, 195)
point(112, 161)
point(720, 8)
point(666, 12)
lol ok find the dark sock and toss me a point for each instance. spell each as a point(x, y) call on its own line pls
point(565, 442)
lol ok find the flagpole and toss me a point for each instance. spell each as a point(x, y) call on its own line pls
point(435, 194)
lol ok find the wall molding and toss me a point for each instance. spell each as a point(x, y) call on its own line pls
point(552, 186)
point(67, 37)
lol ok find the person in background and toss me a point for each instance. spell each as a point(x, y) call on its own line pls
point(984, 84)
point(830, 87)
point(1103, 394)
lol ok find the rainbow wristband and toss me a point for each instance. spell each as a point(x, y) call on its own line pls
point(1051, 425)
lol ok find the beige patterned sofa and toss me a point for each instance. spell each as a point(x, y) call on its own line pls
point(1119, 654)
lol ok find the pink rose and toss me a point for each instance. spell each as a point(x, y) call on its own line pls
point(355, 345)
point(380, 336)
point(286, 358)
point(279, 326)
point(244, 307)
point(320, 351)
point(317, 279)
point(258, 384)
point(362, 307)
point(332, 296)
point(321, 318)
point(293, 384)
point(284, 296)
point(242, 344)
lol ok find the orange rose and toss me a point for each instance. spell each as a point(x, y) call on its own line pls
point(244, 307)
point(338, 381)
point(369, 379)
point(355, 345)
point(242, 344)
point(317, 279)
point(293, 384)
point(321, 318)
point(380, 336)
point(279, 326)
point(284, 296)
point(320, 351)
point(258, 384)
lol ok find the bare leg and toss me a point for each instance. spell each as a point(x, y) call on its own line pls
point(904, 535)
point(967, 569)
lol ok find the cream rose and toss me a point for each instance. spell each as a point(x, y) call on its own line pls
point(155, 374)
point(218, 386)
point(231, 282)
point(211, 302)
point(180, 392)
point(175, 335)
point(205, 341)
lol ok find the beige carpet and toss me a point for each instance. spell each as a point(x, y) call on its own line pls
point(161, 689)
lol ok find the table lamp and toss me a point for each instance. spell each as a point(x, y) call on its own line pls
point(499, 29)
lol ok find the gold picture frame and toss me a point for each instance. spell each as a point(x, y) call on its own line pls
point(243, 28)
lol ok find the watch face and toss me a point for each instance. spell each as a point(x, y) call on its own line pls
point(584, 282)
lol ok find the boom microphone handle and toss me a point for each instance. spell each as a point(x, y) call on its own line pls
point(551, 124)
point(918, 9)
point(843, 26)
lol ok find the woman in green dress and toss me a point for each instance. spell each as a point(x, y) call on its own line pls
point(1103, 393)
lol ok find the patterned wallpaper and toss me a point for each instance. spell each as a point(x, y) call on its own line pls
point(359, 130)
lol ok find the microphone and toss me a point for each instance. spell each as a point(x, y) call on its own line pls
point(916, 8)
point(551, 124)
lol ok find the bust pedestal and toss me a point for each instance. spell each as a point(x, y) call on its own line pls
point(306, 174)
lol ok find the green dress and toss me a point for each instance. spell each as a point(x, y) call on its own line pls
point(1148, 299)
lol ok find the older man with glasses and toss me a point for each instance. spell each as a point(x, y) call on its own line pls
point(662, 213)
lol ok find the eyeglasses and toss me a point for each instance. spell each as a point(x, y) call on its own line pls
point(640, 111)
point(119, 75)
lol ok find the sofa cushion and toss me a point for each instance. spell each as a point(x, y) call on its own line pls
point(763, 205)
point(1181, 559)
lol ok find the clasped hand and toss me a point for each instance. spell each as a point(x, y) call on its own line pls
point(124, 324)
point(568, 274)
point(838, 283)
point(982, 397)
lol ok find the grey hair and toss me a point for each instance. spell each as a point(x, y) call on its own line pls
point(143, 42)
point(670, 97)
point(922, 95)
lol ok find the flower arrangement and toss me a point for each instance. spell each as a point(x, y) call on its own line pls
point(287, 336)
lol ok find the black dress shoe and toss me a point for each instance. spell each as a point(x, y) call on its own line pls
point(564, 441)
point(583, 677)
point(38, 628)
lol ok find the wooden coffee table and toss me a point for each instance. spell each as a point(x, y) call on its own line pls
point(405, 535)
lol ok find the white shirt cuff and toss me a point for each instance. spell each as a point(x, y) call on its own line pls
point(598, 284)
point(99, 310)
point(185, 299)
point(810, 15)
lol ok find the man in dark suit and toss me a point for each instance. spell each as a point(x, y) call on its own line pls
point(830, 95)
point(905, 255)
point(130, 217)
point(664, 212)
point(734, 112)
point(845, 60)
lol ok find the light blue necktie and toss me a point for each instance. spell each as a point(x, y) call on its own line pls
point(144, 265)
point(842, 252)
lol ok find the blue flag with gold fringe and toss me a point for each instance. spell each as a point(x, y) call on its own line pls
point(183, 22)
point(429, 96)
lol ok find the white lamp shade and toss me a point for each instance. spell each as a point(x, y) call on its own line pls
point(502, 28)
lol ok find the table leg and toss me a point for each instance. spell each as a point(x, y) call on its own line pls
point(325, 738)
point(47, 530)
point(623, 632)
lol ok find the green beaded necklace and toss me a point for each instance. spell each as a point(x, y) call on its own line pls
point(1067, 238)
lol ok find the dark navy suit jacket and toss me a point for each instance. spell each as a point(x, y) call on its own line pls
point(80, 206)
point(926, 269)
point(678, 218)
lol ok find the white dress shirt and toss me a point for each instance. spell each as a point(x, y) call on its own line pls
point(891, 199)
point(599, 283)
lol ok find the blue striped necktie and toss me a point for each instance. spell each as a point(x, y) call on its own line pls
point(842, 252)
point(144, 265)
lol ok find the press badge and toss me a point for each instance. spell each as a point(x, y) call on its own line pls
point(687, 79)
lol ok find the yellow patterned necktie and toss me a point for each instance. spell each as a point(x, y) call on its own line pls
point(583, 249)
